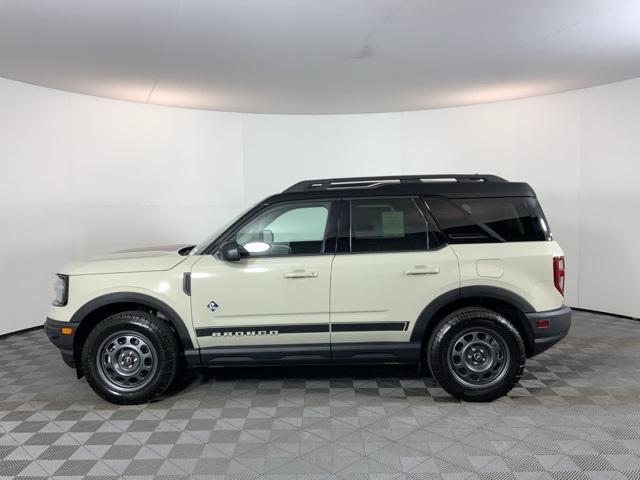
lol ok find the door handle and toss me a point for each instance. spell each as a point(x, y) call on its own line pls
point(422, 270)
point(301, 274)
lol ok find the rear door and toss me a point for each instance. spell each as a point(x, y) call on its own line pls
point(390, 264)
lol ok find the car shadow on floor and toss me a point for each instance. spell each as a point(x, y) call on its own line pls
point(334, 376)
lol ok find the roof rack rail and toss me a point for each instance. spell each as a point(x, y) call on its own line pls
point(375, 182)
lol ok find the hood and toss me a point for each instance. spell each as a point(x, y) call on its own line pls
point(147, 259)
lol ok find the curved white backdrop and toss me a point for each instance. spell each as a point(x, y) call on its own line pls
point(81, 175)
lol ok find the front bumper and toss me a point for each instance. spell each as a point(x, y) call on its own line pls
point(64, 342)
point(549, 327)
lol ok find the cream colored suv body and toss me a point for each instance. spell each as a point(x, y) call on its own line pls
point(458, 270)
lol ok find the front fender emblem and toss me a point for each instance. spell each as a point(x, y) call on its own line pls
point(213, 306)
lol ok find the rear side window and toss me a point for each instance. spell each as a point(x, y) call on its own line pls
point(387, 225)
point(480, 220)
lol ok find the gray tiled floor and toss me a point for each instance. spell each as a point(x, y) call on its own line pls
point(575, 415)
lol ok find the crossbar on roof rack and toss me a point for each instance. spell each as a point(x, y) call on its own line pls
point(375, 182)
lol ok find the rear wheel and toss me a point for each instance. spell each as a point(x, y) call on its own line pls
point(476, 354)
point(130, 357)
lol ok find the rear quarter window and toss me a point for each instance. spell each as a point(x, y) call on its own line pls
point(483, 220)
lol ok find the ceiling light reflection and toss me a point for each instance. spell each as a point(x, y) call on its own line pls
point(500, 92)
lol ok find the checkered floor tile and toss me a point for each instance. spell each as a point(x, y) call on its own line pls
point(575, 415)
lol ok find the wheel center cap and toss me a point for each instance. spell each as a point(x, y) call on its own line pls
point(477, 357)
point(128, 361)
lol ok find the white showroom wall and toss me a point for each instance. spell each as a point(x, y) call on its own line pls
point(81, 175)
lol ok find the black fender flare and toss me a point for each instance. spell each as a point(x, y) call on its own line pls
point(130, 297)
point(495, 293)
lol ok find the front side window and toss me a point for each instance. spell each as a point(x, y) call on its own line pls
point(387, 225)
point(295, 228)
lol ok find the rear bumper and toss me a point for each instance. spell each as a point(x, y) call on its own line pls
point(64, 342)
point(549, 327)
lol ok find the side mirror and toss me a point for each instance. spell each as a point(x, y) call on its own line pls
point(230, 252)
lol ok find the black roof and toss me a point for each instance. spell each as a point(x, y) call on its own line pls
point(450, 185)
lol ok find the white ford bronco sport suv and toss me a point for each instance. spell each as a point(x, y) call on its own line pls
point(458, 271)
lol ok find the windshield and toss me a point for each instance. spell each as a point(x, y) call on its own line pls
point(207, 241)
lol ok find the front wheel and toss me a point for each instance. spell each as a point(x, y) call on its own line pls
point(476, 354)
point(130, 357)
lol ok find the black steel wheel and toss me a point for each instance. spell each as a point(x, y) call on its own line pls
point(126, 361)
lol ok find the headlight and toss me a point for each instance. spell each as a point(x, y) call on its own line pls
point(61, 290)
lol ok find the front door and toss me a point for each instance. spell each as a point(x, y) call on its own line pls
point(391, 264)
point(272, 304)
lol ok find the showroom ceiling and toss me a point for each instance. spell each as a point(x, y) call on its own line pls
point(319, 56)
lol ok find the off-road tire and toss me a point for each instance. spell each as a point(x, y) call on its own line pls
point(162, 342)
point(440, 353)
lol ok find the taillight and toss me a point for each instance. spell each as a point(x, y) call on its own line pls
point(558, 273)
